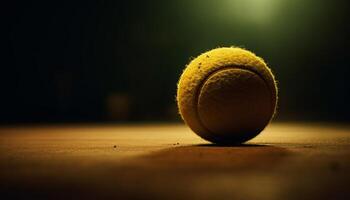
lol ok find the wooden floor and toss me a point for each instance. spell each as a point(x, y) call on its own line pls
point(168, 161)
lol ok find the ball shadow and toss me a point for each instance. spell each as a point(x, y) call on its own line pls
point(214, 158)
point(232, 145)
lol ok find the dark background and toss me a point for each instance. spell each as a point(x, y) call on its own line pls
point(119, 61)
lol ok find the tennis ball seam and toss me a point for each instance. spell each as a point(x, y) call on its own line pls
point(212, 73)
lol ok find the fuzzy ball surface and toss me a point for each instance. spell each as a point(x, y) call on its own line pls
point(227, 95)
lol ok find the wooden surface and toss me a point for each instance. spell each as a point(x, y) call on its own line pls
point(168, 161)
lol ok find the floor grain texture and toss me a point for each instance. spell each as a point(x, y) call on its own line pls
point(168, 161)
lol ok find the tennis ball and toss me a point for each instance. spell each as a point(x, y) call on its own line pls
point(227, 95)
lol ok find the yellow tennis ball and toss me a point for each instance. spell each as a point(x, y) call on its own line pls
point(227, 95)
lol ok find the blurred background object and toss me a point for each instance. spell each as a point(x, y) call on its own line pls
point(97, 61)
point(118, 106)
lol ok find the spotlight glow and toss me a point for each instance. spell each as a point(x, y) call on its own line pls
point(253, 11)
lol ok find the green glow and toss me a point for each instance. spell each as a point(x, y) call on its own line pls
point(259, 12)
